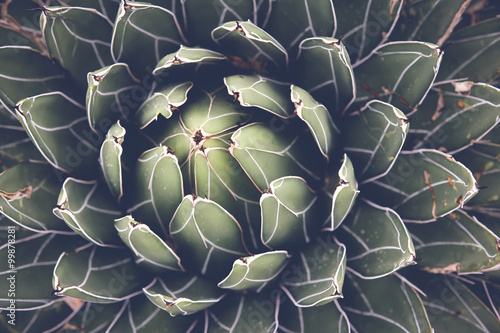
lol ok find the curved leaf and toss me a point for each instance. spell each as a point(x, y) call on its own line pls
point(253, 273)
point(344, 195)
point(324, 69)
point(251, 47)
point(97, 274)
point(186, 56)
point(318, 273)
point(374, 138)
point(209, 238)
point(110, 160)
point(77, 48)
point(182, 294)
point(423, 185)
point(456, 243)
point(82, 203)
point(143, 33)
point(150, 249)
point(378, 241)
point(57, 125)
point(410, 69)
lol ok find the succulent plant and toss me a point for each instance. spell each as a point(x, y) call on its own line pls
point(250, 166)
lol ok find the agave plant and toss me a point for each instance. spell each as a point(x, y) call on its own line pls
point(250, 166)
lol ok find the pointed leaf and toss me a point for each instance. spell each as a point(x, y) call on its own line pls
point(254, 272)
point(111, 95)
point(452, 307)
point(150, 249)
point(209, 238)
point(186, 56)
point(110, 160)
point(82, 203)
point(159, 188)
point(143, 34)
point(345, 193)
point(27, 264)
point(57, 125)
point(378, 241)
point(374, 138)
point(290, 213)
point(25, 72)
point(77, 48)
point(365, 24)
point(318, 273)
point(473, 53)
point(164, 100)
point(261, 92)
point(324, 69)
point(317, 118)
point(456, 243)
point(249, 312)
point(97, 274)
point(303, 19)
point(316, 319)
point(182, 294)
point(251, 47)
point(369, 306)
point(410, 69)
point(424, 185)
point(454, 116)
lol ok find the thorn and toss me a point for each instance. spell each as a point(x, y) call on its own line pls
point(482, 187)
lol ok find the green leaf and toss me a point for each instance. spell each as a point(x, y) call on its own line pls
point(410, 69)
point(82, 203)
point(266, 154)
point(473, 54)
point(291, 21)
point(248, 312)
point(324, 69)
point(208, 237)
point(159, 188)
point(138, 314)
point(256, 271)
point(57, 125)
point(454, 116)
point(378, 241)
point(317, 118)
point(252, 47)
point(316, 319)
point(27, 263)
point(163, 100)
point(25, 72)
point(143, 34)
point(374, 137)
point(365, 24)
point(369, 307)
point(261, 92)
point(150, 249)
point(344, 195)
point(78, 48)
point(111, 95)
point(290, 212)
point(97, 274)
point(423, 185)
point(110, 160)
point(452, 307)
point(26, 191)
point(188, 56)
point(182, 294)
point(428, 20)
point(456, 243)
point(318, 273)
